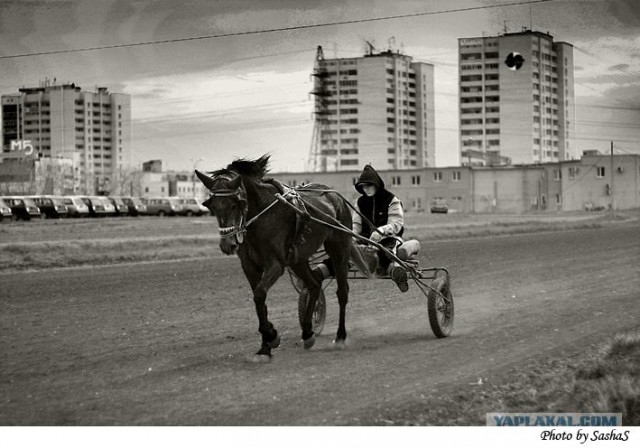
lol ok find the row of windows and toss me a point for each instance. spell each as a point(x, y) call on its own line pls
point(405, 141)
point(401, 84)
point(347, 101)
point(545, 56)
point(479, 121)
point(403, 162)
point(553, 90)
point(546, 143)
point(488, 55)
point(545, 99)
point(547, 78)
point(438, 176)
point(477, 132)
point(327, 132)
point(351, 72)
point(342, 92)
point(401, 74)
point(392, 130)
point(391, 120)
point(479, 99)
point(474, 78)
point(342, 111)
point(548, 121)
point(343, 151)
point(478, 110)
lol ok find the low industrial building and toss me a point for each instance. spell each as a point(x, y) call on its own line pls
point(594, 182)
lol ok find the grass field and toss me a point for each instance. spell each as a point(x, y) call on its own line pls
point(76, 242)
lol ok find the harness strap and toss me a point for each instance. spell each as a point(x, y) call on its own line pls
point(340, 227)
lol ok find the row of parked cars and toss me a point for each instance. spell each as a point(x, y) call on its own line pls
point(28, 207)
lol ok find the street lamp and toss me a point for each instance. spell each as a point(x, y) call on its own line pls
point(193, 175)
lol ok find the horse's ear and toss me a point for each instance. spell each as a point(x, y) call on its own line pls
point(263, 163)
point(206, 180)
point(235, 183)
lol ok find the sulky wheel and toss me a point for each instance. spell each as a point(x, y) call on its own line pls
point(440, 305)
point(319, 314)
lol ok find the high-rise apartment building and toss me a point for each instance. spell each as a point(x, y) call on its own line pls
point(61, 121)
point(516, 98)
point(376, 109)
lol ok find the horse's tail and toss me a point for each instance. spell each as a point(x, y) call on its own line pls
point(360, 261)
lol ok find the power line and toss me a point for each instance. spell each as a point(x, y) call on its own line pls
point(615, 67)
point(273, 30)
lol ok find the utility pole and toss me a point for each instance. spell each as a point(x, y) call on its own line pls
point(613, 201)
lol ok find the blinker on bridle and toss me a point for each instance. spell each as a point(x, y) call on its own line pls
point(238, 230)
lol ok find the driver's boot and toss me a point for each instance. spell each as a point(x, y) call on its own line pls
point(399, 276)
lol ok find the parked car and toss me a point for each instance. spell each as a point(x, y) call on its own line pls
point(50, 206)
point(109, 208)
point(99, 206)
point(135, 205)
point(192, 207)
point(439, 205)
point(162, 206)
point(5, 211)
point(22, 207)
point(76, 206)
point(121, 209)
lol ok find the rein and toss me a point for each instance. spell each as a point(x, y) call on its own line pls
point(241, 229)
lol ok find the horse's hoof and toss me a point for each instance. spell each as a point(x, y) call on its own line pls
point(308, 343)
point(261, 359)
point(339, 345)
point(275, 343)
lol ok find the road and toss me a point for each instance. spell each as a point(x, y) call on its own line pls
point(171, 343)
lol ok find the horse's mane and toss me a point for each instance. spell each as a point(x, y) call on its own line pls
point(257, 168)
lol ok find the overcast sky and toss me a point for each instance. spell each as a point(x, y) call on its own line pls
point(242, 96)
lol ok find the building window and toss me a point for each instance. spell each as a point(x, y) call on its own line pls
point(572, 172)
point(396, 180)
point(599, 172)
point(455, 175)
point(415, 180)
point(557, 174)
point(437, 176)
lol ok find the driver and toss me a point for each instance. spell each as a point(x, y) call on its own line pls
point(384, 210)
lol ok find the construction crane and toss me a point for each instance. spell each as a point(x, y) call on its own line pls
point(317, 157)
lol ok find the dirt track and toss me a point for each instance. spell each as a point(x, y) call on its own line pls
point(170, 343)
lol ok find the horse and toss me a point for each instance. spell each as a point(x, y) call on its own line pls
point(269, 235)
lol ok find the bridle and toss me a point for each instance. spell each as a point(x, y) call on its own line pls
point(238, 231)
point(241, 197)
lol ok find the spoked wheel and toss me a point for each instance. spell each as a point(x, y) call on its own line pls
point(319, 313)
point(440, 305)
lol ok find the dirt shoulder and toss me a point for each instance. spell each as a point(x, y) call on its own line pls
point(597, 378)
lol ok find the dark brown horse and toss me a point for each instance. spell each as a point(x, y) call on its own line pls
point(268, 236)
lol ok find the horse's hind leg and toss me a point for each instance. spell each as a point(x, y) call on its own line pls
point(341, 266)
point(343, 299)
point(303, 271)
point(260, 283)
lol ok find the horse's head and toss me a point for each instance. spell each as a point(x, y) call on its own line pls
point(228, 203)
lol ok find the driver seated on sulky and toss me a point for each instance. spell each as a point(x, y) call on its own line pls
point(383, 209)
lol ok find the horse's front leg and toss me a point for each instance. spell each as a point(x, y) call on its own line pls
point(270, 338)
